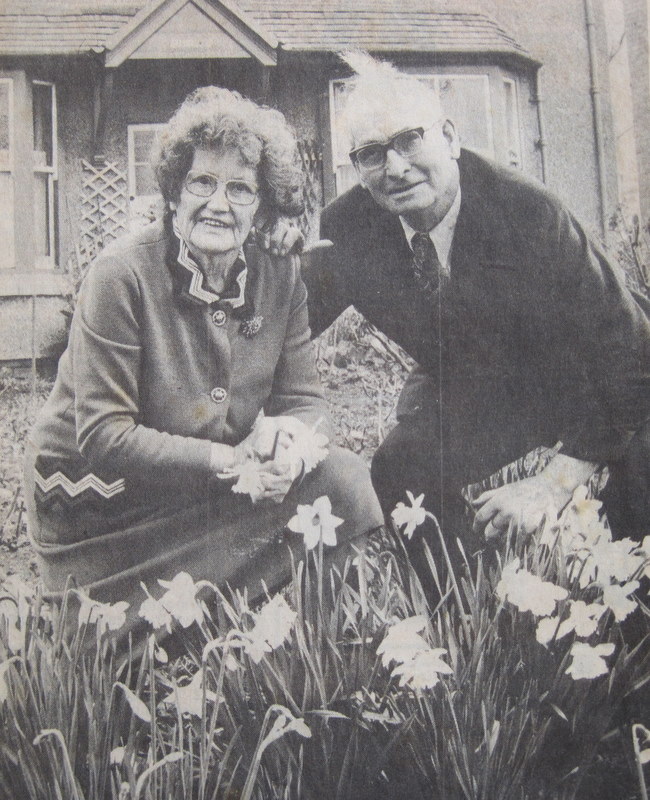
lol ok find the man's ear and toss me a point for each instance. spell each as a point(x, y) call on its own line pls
point(360, 176)
point(172, 205)
point(449, 132)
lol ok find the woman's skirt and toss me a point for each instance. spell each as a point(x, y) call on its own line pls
point(224, 539)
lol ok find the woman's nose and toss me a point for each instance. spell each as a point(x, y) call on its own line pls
point(218, 200)
point(396, 165)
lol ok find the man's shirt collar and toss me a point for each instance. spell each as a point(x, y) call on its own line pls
point(442, 235)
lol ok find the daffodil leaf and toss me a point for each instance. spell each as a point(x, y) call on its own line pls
point(137, 705)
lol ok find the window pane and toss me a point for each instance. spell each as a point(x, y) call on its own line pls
point(143, 142)
point(6, 221)
point(4, 115)
point(42, 214)
point(145, 180)
point(466, 100)
point(346, 178)
point(5, 124)
point(512, 124)
point(43, 124)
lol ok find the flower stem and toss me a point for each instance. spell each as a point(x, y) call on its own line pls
point(452, 577)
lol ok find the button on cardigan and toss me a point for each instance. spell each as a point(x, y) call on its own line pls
point(149, 380)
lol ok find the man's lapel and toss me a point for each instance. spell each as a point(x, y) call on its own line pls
point(483, 238)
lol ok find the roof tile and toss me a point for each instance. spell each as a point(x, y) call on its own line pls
point(60, 27)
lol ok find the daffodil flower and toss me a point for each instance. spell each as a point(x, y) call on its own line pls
point(423, 671)
point(403, 642)
point(107, 616)
point(546, 628)
point(589, 660)
point(180, 598)
point(188, 699)
point(615, 560)
point(583, 619)
point(645, 551)
point(617, 599)
point(272, 628)
point(641, 741)
point(411, 516)
point(316, 522)
point(528, 592)
point(249, 480)
point(307, 446)
point(154, 612)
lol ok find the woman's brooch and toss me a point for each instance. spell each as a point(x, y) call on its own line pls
point(251, 325)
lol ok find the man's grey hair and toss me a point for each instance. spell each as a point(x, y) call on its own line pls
point(378, 86)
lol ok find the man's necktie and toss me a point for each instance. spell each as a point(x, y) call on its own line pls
point(426, 264)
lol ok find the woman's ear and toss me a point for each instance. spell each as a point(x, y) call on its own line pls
point(262, 218)
point(172, 205)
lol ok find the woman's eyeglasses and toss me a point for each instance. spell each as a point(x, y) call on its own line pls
point(203, 184)
point(373, 156)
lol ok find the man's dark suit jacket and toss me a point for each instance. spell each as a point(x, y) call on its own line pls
point(535, 339)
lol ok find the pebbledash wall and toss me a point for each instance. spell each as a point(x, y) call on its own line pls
point(529, 86)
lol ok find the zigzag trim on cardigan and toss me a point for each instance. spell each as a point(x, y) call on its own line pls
point(73, 489)
point(195, 288)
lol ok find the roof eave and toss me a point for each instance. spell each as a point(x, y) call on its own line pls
point(509, 53)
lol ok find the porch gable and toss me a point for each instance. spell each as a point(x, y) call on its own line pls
point(183, 29)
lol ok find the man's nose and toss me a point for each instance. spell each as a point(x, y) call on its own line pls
point(396, 165)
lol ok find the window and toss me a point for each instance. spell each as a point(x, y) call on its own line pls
point(483, 105)
point(45, 172)
point(7, 255)
point(28, 185)
point(513, 138)
point(144, 194)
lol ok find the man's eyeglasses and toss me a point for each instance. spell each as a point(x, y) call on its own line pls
point(373, 156)
point(203, 184)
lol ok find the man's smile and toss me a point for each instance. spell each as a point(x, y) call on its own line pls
point(403, 189)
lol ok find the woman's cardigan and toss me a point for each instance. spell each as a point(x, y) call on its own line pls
point(158, 367)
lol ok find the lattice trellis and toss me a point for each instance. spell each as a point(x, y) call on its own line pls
point(311, 157)
point(104, 207)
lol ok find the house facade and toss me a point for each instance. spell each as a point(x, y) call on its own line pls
point(85, 86)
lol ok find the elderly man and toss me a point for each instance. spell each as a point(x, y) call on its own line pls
point(524, 333)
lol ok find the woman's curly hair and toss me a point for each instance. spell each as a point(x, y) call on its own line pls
point(212, 117)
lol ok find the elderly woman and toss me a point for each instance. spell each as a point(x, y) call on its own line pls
point(185, 334)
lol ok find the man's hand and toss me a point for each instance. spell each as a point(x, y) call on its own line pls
point(527, 502)
point(523, 504)
point(279, 237)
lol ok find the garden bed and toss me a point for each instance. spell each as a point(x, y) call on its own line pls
point(509, 690)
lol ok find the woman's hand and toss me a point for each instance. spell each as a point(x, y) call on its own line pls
point(268, 451)
point(279, 237)
point(276, 480)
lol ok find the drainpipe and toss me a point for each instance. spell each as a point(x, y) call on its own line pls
point(597, 114)
point(541, 142)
